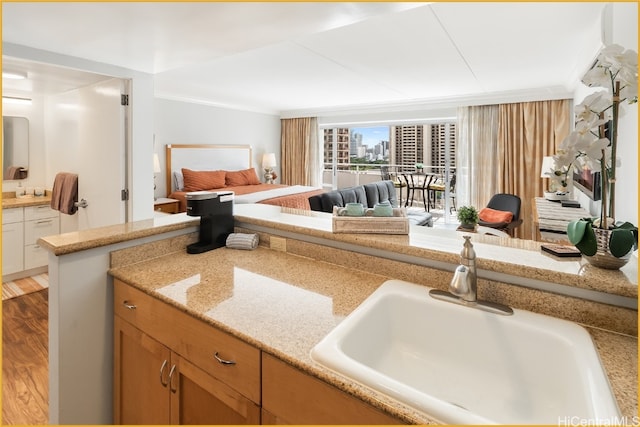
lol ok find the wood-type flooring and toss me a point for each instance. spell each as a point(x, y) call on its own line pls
point(25, 341)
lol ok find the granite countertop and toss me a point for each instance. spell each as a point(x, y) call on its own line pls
point(76, 241)
point(515, 257)
point(20, 202)
point(284, 304)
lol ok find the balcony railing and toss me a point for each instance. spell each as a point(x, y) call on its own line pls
point(352, 174)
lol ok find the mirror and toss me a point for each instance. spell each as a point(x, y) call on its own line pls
point(15, 148)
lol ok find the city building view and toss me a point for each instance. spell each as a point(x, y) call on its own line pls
point(399, 147)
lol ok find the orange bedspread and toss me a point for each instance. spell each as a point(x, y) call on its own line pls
point(298, 201)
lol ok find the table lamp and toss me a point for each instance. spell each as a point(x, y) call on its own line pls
point(268, 163)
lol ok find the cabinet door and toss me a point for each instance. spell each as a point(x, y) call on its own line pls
point(290, 396)
point(12, 248)
point(141, 377)
point(198, 398)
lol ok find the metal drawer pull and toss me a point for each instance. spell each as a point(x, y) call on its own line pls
point(164, 365)
point(47, 221)
point(222, 361)
point(173, 390)
point(129, 306)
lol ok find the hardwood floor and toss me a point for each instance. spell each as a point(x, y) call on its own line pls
point(25, 378)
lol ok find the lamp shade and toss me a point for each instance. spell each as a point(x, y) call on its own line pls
point(268, 160)
point(156, 164)
point(547, 167)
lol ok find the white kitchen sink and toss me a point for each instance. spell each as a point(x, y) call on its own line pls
point(465, 366)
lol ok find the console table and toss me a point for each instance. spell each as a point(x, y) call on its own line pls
point(550, 220)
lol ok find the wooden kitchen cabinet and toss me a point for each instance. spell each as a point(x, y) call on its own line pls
point(139, 396)
point(289, 396)
point(156, 380)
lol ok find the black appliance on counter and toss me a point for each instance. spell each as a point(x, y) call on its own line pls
point(215, 209)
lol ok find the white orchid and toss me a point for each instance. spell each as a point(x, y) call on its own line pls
point(614, 64)
point(615, 70)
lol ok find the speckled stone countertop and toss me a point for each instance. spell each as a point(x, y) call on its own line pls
point(20, 202)
point(284, 304)
point(516, 257)
point(522, 258)
point(67, 243)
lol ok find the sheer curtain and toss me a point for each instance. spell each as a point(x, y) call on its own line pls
point(528, 132)
point(477, 162)
point(300, 152)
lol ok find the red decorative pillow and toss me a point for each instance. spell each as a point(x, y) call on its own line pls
point(243, 177)
point(202, 180)
point(492, 215)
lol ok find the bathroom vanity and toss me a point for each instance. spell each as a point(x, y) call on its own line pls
point(24, 221)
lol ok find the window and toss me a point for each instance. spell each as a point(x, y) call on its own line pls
point(353, 154)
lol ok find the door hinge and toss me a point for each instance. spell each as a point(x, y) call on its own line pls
point(124, 194)
point(124, 99)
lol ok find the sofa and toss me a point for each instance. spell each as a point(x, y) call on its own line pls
point(368, 195)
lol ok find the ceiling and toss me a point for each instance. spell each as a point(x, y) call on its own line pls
point(295, 57)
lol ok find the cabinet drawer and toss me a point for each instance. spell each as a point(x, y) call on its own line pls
point(193, 339)
point(12, 215)
point(35, 256)
point(39, 212)
point(35, 229)
point(167, 207)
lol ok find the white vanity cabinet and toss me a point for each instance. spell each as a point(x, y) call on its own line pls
point(21, 229)
point(39, 221)
point(12, 240)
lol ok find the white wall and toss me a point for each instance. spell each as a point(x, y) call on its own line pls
point(177, 122)
point(625, 33)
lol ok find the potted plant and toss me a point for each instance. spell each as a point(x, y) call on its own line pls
point(419, 167)
point(468, 217)
point(593, 144)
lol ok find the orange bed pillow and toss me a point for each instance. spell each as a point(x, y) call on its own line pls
point(492, 215)
point(242, 177)
point(202, 180)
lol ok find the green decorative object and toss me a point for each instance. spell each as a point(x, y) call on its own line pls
point(468, 216)
point(610, 249)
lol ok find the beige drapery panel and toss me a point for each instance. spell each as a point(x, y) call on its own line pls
point(299, 151)
point(500, 150)
point(527, 132)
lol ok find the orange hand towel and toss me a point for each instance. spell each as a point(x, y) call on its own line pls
point(64, 194)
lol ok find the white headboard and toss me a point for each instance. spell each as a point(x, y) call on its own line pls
point(205, 157)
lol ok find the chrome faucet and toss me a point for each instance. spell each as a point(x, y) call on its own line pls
point(464, 284)
point(463, 288)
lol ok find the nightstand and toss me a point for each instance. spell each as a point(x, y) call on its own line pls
point(166, 205)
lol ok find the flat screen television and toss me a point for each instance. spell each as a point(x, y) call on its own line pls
point(588, 181)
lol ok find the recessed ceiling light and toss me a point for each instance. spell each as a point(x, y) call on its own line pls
point(16, 100)
point(16, 75)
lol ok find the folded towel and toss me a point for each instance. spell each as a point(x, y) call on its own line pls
point(242, 241)
point(64, 194)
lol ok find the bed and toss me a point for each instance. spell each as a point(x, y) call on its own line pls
point(197, 167)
